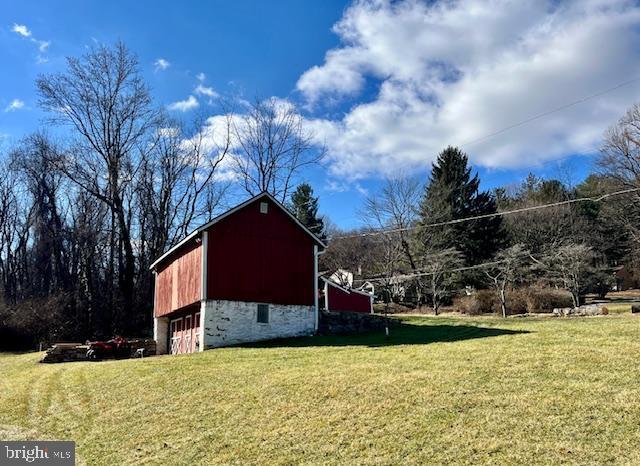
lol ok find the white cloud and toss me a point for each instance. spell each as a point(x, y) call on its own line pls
point(208, 91)
point(451, 72)
point(168, 132)
point(161, 64)
point(184, 105)
point(201, 77)
point(16, 104)
point(43, 45)
point(22, 30)
point(212, 140)
point(333, 185)
point(214, 137)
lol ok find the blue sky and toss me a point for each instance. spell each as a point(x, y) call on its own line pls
point(385, 84)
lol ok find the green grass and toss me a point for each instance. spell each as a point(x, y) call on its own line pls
point(441, 390)
point(619, 308)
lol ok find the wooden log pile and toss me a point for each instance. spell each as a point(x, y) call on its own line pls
point(68, 352)
point(146, 344)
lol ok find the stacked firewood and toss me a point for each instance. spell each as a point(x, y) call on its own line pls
point(65, 352)
point(148, 345)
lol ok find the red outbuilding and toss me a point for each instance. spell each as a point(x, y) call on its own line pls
point(338, 298)
point(249, 274)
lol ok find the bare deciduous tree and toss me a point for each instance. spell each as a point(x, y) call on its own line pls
point(620, 152)
point(103, 97)
point(620, 161)
point(395, 208)
point(177, 185)
point(570, 265)
point(440, 274)
point(273, 145)
point(11, 233)
point(32, 161)
point(509, 266)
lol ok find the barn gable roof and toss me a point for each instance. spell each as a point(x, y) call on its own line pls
point(200, 229)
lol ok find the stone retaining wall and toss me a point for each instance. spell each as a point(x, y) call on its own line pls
point(342, 323)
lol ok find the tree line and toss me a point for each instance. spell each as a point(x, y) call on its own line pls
point(418, 246)
point(111, 182)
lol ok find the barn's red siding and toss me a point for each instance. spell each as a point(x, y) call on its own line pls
point(341, 300)
point(260, 257)
point(178, 284)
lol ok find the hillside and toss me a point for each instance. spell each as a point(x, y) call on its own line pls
point(442, 390)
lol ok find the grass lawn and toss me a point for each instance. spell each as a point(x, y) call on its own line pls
point(619, 308)
point(441, 390)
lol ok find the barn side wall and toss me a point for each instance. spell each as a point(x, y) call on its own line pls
point(179, 282)
point(234, 322)
point(260, 257)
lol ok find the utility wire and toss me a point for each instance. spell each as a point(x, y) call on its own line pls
point(484, 216)
point(549, 112)
point(533, 118)
point(423, 274)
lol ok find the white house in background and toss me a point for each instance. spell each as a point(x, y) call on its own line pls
point(342, 277)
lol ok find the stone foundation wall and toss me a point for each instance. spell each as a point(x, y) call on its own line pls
point(160, 333)
point(233, 322)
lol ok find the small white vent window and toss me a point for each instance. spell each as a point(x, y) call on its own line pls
point(264, 207)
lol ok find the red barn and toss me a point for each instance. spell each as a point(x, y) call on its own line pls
point(249, 274)
point(338, 298)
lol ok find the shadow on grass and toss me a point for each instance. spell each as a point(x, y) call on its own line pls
point(405, 334)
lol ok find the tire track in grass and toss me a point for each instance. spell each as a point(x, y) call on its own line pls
point(45, 409)
point(80, 404)
point(40, 395)
point(22, 396)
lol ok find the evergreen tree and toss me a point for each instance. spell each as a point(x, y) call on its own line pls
point(305, 207)
point(453, 193)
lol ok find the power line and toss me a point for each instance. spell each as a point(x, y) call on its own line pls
point(424, 274)
point(485, 216)
point(524, 122)
point(549, 112)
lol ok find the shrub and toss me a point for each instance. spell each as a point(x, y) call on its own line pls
point(480, 302)
point(517, 301)
point(467, 305)
point(547, 299)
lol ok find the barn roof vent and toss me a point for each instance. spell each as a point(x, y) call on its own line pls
point(264, 207)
